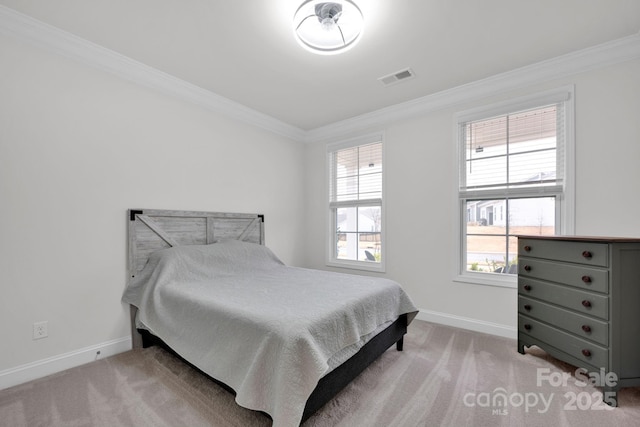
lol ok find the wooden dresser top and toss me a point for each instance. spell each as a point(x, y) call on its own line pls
point(602, 239)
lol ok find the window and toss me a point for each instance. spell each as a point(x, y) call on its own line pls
point(515, 168)
point(355, 204)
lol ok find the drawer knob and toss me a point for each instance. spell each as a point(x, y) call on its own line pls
point(527, 288)
point(527, 326)
point(586, 279)
point(586, 328)
point(527, 268)
point(527, 248)
point(586, 303)
point(587, 254)
point(586, 353)
point(527, 307)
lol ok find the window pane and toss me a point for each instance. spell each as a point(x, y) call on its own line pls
point(370, 247)
point(347, 188)
point(535, 124)
point(481, 213)
point(370, 161)
point(357, 173)
point(346, 162)
point(346, 219)
point(486, 235)
point(486, 133)
point(370, 186)
point(492, 227)
point(347, 237)
point(369, 218)
point(370, 157)
point(533, 216)
point(358, 234)
point(536, 167)
point(484, 172)
point(516, 149)
point(486, 253)
point(347, 245)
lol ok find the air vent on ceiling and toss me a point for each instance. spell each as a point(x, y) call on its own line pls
point(398, 76)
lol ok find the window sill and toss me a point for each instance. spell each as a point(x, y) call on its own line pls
point(489, 279)
point(358, 265)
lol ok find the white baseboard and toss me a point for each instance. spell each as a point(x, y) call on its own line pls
point(42, 368)
point(468, 323)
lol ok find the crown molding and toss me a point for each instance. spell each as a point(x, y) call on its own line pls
point(599, 56)
point(15, 24)
point(35, 32)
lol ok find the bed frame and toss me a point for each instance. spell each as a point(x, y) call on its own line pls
point(151, 230)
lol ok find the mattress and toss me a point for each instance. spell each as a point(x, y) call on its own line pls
point(267, 330)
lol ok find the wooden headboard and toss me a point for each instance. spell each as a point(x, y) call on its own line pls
point(151, 230)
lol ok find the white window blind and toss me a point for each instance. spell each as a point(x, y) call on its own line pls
point(356, 175)
point(515, 153)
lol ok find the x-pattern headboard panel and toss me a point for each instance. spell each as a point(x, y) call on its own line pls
point(151, 230)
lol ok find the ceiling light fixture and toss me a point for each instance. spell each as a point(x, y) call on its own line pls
point(328, 27)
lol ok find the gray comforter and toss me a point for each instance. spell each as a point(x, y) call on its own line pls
point(267, 330)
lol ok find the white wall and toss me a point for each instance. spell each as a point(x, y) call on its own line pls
point(78, 147)
point(420, 192)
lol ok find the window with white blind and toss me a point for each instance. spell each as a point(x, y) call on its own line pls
point(515, 168)
point(356, 204)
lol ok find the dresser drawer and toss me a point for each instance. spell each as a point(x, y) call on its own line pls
point(589, 253)
point(583, 277)
point(577, 324)
point(589, 303)
point(579, 348)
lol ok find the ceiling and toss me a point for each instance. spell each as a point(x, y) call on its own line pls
point(245, 50)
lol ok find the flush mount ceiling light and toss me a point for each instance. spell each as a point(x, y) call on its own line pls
point(328, 27)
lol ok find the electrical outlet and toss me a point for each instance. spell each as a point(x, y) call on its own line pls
point(40, 330)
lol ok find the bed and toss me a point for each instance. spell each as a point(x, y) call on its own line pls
point(284, 339)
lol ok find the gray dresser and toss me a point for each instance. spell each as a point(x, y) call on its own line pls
point(579, 300)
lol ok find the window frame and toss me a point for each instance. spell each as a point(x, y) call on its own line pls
point(565, 199)
point(331, 258)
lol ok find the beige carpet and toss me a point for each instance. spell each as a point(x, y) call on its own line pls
point(445, 377)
